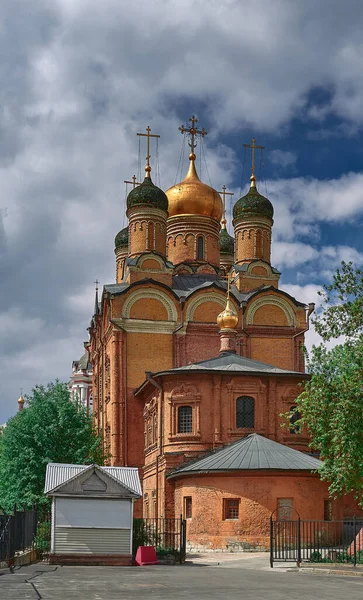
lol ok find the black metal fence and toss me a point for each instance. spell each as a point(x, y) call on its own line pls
point(316, 541)
point(17, 533)
point(167, 535)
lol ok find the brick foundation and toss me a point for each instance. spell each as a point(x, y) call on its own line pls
point(110, 560)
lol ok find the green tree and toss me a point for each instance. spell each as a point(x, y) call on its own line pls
point(50, 428)
point(331, 405)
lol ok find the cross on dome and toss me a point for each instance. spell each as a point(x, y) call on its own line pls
point(192, 132)
point(253, 148)
point(148, 135)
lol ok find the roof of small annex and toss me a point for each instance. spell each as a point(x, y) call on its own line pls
point(252, 453)
point(58, 474)
point(228, 362)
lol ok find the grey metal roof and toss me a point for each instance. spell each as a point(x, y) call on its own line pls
point(252, 453)
point(228, 361)
point(59, 473)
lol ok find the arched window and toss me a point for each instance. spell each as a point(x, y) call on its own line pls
point(295, 416)
point(245, 412)
point(200, 248)
point(185, 419)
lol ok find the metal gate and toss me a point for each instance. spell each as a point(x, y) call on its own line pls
point(316, 541)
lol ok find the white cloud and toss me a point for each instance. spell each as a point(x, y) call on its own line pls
point(282, 158)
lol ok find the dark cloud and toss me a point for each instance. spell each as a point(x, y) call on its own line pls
point(79, 78)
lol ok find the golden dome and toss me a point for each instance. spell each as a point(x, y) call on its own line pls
point(193, 197)
point(227, 319)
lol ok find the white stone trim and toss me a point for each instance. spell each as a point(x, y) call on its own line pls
point(143, 326)
point(221, 300)
point(265, 301)
point(155, 295)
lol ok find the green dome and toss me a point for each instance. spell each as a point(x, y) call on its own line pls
point(122, 238)
point(226, 242)
point(254, 204)
point(147, 194)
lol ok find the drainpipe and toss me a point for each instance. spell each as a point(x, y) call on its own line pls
point(311, 308)
point(243, 307)
point(160, 389)
point(182, 302)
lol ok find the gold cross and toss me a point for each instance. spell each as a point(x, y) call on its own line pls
point(96, 282)
point(193, 131)
point(148, 135)
point(229, 281)
point(134, 183)
point(253, 147)
point(224, 194)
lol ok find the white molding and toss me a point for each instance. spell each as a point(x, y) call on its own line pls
point(148, 294)
point(143, 326)
point(271, 300)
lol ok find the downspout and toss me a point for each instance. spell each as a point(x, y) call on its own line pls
point(311, 308)
point(243, 307)
point(182, 302)
point(160, 389)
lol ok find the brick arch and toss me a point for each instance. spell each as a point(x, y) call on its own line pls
point(271, 301)
point(205, 299)
point(150, 294)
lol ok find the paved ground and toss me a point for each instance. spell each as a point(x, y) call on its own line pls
point(244, 577)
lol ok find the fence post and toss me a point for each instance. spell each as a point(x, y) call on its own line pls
point(11, 541)
point(355, 541)
point(299, 541)
point(271, 543)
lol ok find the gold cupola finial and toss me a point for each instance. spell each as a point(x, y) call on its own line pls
point(21, 401)
point(148, 135)
point(253, 148)
point(228, 319)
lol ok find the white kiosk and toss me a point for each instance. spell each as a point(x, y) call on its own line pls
point(92, 513)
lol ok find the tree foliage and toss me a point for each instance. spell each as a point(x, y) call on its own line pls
point(342, 309)
point(331, 405)
point(50, 428)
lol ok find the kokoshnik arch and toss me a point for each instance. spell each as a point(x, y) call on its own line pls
point(195, 354)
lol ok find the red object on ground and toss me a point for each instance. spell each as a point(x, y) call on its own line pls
point(146, 555)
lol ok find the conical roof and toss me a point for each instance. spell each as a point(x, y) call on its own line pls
point(252, 453)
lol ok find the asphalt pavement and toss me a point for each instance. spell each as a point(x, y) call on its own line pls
point(229, 578)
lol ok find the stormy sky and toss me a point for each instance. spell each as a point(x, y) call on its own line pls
point(79, 79)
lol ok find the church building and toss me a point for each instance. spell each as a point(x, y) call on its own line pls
point(196, 353)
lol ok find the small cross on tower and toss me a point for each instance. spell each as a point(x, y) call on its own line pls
point(224, 194)
point(134, 183)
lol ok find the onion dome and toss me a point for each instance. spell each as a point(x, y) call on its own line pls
point(122, 238)
point(193, 197)
point(147, 194)
point(227, 319)
point(253, 204)
point(226, 241)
